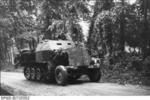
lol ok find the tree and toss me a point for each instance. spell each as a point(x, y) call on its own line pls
point(4, 32)
point(62, 17)
point(100, 5)
point(146, 36)
point(103, 26)
point(122, 28)
point(16, 18)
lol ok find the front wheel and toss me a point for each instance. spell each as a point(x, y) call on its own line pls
point(95, 75)
point(61, 75)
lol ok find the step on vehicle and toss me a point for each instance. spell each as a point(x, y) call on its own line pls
point(60, 61)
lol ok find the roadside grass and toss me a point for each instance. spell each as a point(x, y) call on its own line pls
point(126, 69)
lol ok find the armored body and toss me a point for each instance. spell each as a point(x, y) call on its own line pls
point(59, 61)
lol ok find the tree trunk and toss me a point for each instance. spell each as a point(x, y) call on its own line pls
point(12, 55)
point(122, 29)
point(90, 36)
point(145, 34)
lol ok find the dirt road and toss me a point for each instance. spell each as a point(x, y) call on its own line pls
point(18, 85)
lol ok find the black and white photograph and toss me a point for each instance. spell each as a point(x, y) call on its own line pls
point(74, 48)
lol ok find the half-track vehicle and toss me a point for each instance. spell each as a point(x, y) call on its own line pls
point(59, 61)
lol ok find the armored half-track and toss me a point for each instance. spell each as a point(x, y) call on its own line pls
point(59, 61)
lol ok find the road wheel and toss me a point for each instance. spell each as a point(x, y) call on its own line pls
point(61, 76)
point(33, 73)
point(95, 75)
point(38, 74)
point(27, 73)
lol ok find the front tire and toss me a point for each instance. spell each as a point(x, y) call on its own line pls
point(61, 75)
point(95, 75)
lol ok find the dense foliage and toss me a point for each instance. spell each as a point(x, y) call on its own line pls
point(114, 25)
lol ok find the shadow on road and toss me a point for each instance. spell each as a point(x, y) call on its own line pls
point(4, 93)
point(81, 80)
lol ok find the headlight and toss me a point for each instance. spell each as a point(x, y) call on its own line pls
point(93, 60)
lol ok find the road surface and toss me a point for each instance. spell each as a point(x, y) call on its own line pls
point(16, 84)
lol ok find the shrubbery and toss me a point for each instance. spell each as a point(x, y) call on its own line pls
point(125, 68)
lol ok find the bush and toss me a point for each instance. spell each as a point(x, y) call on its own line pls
point(125, 68)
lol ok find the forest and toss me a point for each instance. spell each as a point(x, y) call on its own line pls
point(118, 32)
